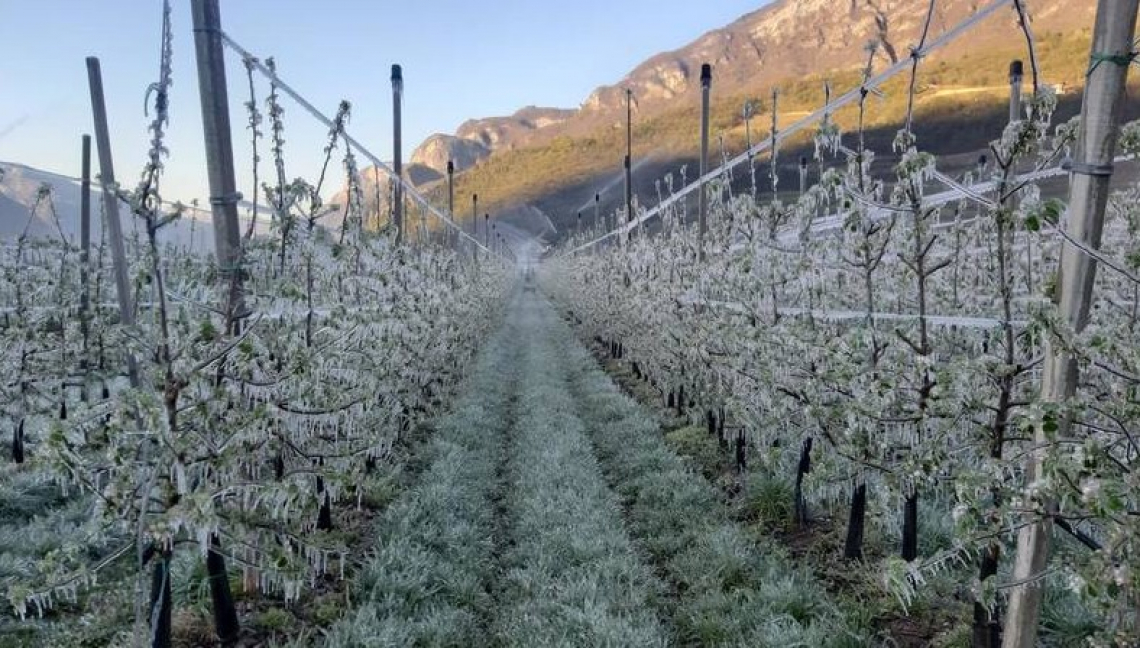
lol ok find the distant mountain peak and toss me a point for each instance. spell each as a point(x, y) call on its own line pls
point(779, 42)
point(496, 132)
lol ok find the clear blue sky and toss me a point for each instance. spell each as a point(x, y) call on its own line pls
point(461, 58)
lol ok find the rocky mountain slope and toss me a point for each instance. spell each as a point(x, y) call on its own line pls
point(785, 39)
point(779, 43)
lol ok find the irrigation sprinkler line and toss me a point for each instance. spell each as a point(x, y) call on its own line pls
point(846, 98)
point(408, 188)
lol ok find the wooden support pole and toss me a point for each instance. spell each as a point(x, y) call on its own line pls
point(111, 208)
point(212, 91)
point(1016, 74)
point(85, 260)
point(474, 224)
point(1092, 170)
point(629, 156)
point(397, 149)
point(746, 112)
point(702, 198)
point(451, 195)
point(773, 150)
point(803, 175)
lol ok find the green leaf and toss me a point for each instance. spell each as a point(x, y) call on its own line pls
point(1052, 210)
point(207, 332)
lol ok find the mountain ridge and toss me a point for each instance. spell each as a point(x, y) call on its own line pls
point(780, 40)
point(776, 45)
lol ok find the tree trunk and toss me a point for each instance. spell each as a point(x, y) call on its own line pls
point(987, 628)
point(324, 515)
point(910, 527)
point(225, 615)
point(856, 520)
point(160, 603)
point(803, 469)
point(18, 442)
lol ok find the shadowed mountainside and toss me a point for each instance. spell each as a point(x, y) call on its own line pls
point(556, 160)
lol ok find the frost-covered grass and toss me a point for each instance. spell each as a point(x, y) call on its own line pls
point(731, 590)
point(428, 582)
point(572, 577)
point(38, 519)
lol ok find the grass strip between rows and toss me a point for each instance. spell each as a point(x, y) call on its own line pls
point(429, 581)
point(732, 590)
point(572, 575)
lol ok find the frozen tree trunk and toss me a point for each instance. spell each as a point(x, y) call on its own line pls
point(18, 442)
point(802, 469)
point(853, 548)
point(910, 527)
point(225, 614)
point(987, 629)
point(160, 603)
point(1092, 160)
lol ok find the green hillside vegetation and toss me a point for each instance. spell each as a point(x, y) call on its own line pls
point(973, 84)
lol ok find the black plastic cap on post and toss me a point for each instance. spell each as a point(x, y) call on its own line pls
point(706, 75)
point(397, 79)
point(1016, 71)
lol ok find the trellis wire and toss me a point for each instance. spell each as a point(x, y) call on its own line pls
point(846, 315)
point(409, 189)
point(844, 99)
